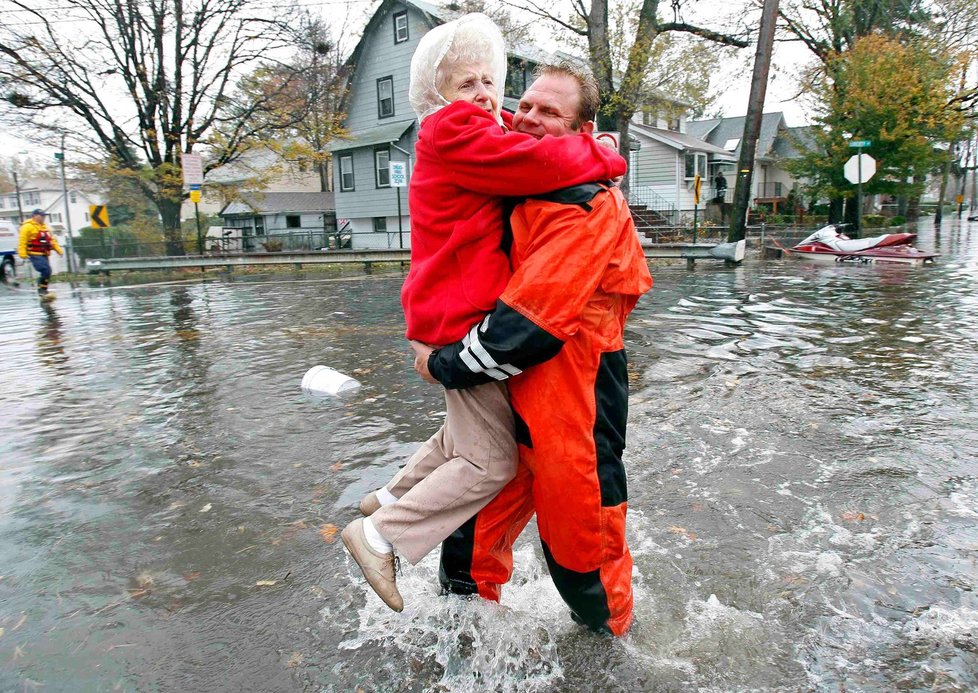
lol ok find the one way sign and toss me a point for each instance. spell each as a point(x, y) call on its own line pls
point(99, 216)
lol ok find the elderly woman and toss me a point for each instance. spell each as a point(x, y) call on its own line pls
point(467, 163)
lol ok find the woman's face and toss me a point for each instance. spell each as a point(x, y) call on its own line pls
point(473, 84)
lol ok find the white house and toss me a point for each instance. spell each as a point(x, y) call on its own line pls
point(294, 220)
point(776, 143)
point(259, 169)
point(47, 194)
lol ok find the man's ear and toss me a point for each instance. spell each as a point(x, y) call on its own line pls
point(587, 127)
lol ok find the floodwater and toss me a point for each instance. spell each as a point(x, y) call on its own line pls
point(802, 472)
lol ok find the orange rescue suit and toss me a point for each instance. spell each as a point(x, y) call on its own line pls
point(578, 271)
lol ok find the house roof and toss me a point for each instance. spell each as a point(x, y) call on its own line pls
point(250, 164)
point(47, 185)
point(433, 15)
point(680, 141)
point(382, 134)
point(719, 131)
point(794, 142)
point(250, 203)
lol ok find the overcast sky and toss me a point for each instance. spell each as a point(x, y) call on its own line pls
point(733, 100)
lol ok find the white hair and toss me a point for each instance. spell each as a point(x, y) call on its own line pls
point(468, 40)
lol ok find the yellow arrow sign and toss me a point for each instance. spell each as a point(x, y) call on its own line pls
point(697, 186)
point(99, 216)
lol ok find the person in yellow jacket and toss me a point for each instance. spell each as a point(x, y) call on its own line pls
point(36, 243)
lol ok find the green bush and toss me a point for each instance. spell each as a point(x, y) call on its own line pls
point(873, 221)
point(897, 221)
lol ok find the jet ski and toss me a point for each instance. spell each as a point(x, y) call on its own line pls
point(829, 244)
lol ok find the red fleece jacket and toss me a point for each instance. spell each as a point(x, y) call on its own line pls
point(465, 165)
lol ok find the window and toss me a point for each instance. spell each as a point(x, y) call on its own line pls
point(54, 218)
point(293, 221)
point(400, 27)
point(516, 70)
point(73, 197)
point(32, 198)
point(673, 124)
point(346, 173)
point(695, 165)
point(385, 97)
point(382, 157)
point(380, 224)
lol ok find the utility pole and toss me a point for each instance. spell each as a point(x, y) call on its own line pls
point(752, 123)
point(60, 156)
point(20, 209)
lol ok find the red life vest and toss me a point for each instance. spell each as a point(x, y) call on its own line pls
point(40, 244)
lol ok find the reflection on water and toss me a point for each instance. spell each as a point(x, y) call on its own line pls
point(802, 478)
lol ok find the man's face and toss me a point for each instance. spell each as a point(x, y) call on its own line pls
point(39, 218)
point(474, 84)
point(549, 107)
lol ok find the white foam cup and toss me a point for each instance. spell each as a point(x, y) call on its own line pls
point(322, 380)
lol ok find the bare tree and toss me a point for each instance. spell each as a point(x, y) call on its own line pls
point(139, 82)
point(622, 88)
point(303, 98)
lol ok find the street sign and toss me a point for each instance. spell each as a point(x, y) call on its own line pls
point(398, 173)
point(195, 196)
point(697, 185)
point(859, 144)
point(610, 139)
point(99, 216)
point(193, 169)
point(853, 169)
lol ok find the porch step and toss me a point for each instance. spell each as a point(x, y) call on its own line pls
point(648, 217)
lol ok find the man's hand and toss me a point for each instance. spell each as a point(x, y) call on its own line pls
point(607, 143)
point(421, 353)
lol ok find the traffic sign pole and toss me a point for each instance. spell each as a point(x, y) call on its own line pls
point(855, 173)
point(859, 195)
point(397, 172)
point(858, 145)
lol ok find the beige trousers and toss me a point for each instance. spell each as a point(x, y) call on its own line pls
point(454, 474)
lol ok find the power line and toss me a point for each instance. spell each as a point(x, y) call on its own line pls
point(271, 6)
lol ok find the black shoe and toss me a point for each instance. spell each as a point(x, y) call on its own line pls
point(602, 629)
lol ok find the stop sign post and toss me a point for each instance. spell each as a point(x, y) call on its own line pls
point(859, 169)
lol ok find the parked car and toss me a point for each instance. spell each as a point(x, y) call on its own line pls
point(8, 250)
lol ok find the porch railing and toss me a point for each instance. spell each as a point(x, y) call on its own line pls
point(655, 203)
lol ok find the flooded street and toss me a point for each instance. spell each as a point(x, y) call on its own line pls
point(803, 489)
